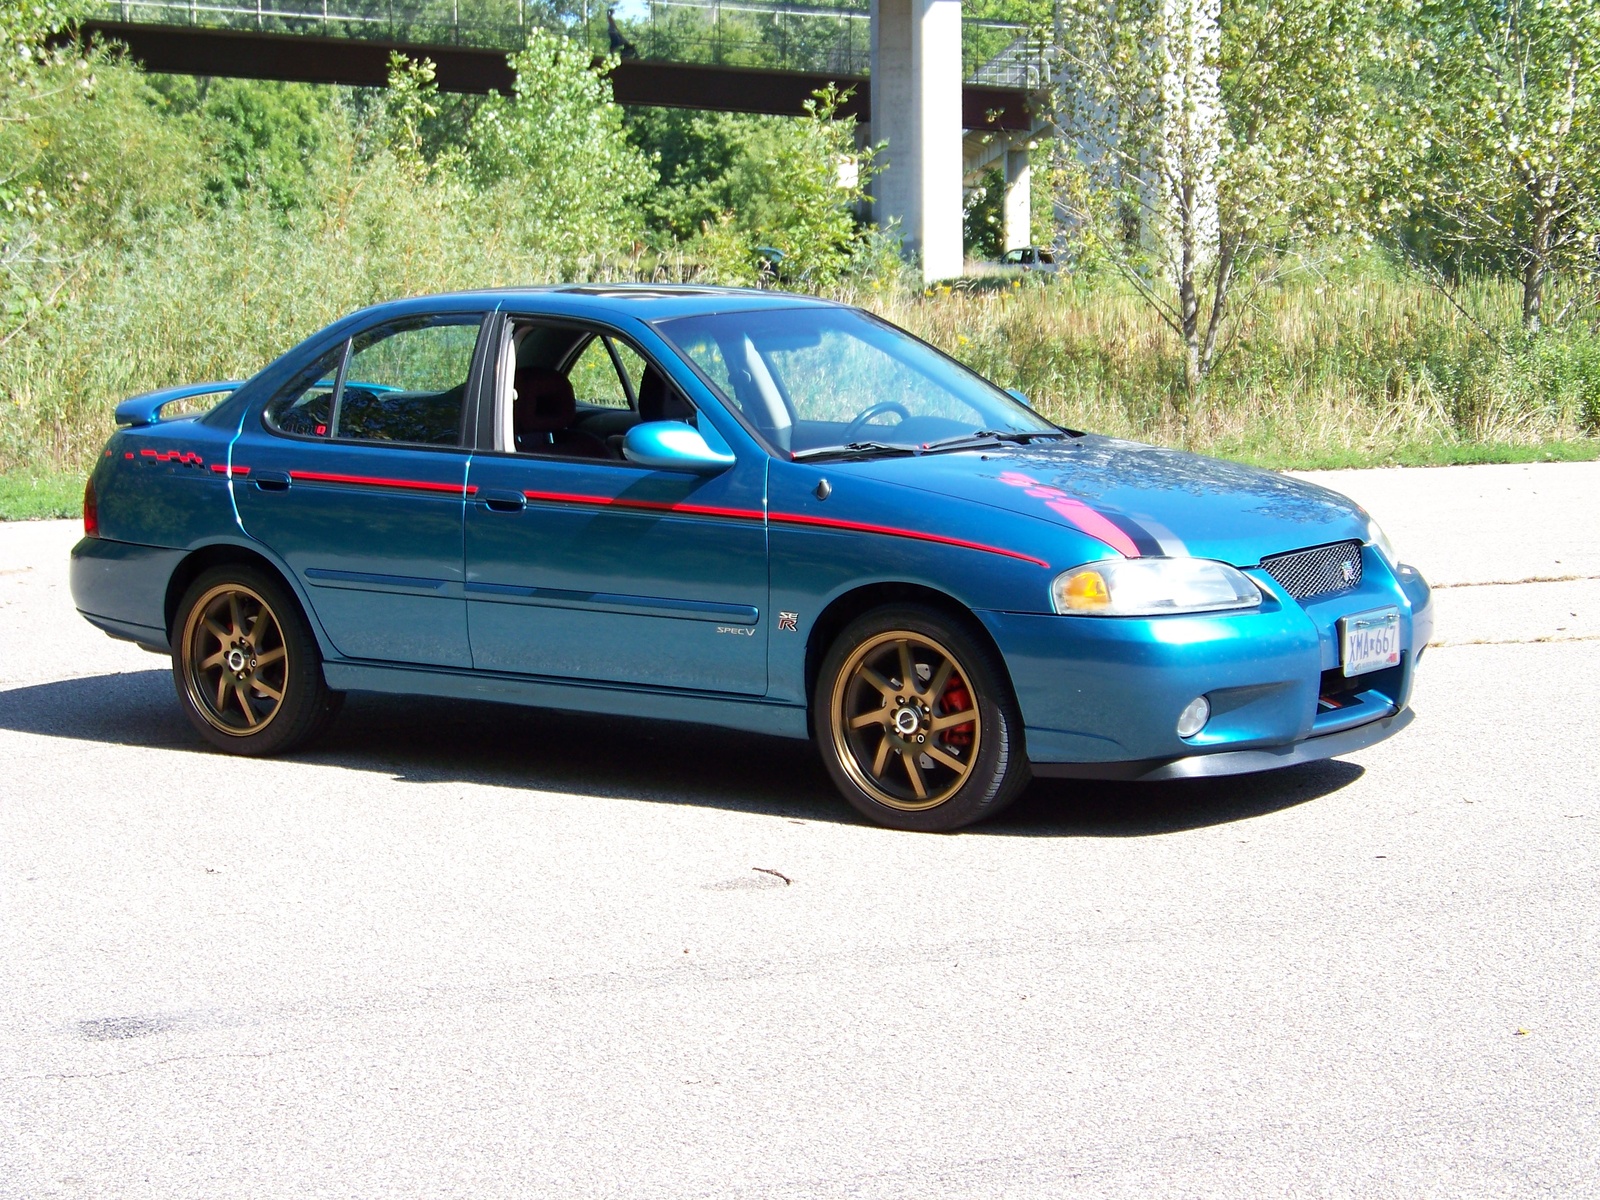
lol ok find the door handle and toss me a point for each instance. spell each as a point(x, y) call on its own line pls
point(500, 500)
point(271, 481)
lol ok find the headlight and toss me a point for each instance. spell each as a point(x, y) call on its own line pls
point(1147, 587)
point(1380, 539)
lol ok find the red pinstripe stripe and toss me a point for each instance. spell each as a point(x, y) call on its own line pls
point(222, 469)
point(698, 510)
point(421, 485)
point(889, 531)
point(747, 514)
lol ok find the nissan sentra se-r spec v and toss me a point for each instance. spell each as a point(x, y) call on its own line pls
point(755, 510)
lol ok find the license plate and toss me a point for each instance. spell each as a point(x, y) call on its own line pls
point(1369, 641)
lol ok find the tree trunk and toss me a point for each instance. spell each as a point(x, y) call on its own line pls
point(1535, 270)
point(1189, 298)
point(1191, 341)
point(1189, 292)
point(1227, 255)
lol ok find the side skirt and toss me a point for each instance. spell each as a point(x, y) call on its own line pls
point(750, 716)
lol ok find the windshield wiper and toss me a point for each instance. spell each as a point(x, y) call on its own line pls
point(989, 437)
point(852, 448)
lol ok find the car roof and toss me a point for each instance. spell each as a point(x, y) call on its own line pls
point(644, 301)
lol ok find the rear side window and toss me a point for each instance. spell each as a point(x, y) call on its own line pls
point(405, 382)
point(408, 382)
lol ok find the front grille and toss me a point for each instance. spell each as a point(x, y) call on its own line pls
point(1318, 571)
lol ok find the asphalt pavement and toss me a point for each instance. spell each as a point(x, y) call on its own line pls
point(466, 951)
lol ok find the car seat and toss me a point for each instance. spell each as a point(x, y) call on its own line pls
point(660, 401)
point(542, 411)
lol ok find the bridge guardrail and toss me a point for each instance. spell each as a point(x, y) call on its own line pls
point(815, 37)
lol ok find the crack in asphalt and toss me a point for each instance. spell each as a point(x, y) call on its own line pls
point(162, 1062)
point(1581, 637)
point(1472, 583)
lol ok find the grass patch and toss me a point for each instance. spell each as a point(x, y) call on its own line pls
point(1435, 454)
point(29, 497)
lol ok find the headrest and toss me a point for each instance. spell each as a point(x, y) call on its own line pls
point(659, 400)
point(544, 401)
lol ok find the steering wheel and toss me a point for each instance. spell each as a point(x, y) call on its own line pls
point(866, 414)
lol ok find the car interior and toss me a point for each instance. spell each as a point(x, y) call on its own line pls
point(573, 393)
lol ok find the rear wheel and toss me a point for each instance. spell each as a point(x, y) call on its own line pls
point(246, 665)
point(916, 722)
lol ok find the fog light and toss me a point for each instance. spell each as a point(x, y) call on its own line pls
point(1193, 718)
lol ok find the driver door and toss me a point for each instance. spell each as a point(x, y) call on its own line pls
point(598, 570)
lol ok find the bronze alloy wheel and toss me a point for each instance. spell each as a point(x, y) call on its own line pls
point(905, 720)
point(236, 663)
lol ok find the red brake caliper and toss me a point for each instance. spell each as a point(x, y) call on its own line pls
point(956, 699)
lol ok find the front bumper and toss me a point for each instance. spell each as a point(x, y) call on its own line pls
point(1235, 762)
point(1100, 697)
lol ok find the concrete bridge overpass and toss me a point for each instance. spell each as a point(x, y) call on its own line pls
point(950, 97)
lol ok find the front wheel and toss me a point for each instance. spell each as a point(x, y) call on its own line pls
point(916, 722)
point(246, 665)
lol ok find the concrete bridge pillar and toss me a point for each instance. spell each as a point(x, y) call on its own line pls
point(916, 108)
point(1018, 208)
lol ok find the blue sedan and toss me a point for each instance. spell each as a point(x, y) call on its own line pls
point(747, 509)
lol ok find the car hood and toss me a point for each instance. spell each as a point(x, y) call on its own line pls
point(1141, 500)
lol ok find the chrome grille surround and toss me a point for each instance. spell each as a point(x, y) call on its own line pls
point(1317, 571)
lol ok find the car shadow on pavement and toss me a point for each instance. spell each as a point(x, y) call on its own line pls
point(427, 740)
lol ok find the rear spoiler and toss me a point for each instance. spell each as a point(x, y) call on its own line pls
point(146, 409)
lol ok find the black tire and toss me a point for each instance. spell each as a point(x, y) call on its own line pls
point(902, 756)
point(246, 664)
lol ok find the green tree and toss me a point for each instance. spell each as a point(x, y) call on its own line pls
point(694, 153)
point(552, 160)
point(799, 189)
point(1203, 138)
point(983, 216)
point(261, 138)
point(1504, 165)
point(735, 182)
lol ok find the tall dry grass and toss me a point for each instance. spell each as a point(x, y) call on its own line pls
point(1361, 368)
point(1368, 366)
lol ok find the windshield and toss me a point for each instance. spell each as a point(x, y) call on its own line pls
point(810, 381)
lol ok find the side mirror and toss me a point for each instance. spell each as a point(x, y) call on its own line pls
point(1018, 397)
point(673, 446)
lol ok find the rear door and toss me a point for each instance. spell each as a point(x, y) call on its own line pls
point(355, 475)
point(595, 569)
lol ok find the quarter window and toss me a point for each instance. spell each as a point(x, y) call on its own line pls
point(594, 378)
point(305, 407)
point(632, 362)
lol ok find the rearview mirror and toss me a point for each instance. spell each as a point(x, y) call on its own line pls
point(673, 446)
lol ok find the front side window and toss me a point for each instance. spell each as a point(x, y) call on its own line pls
point(812, 378)
point(568, 392)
